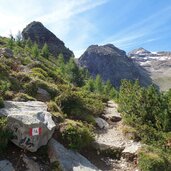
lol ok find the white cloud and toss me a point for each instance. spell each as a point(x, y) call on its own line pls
point(61, 17)
point(140, 33)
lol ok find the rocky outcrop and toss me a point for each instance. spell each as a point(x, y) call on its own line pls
point(5, 165)
point(157, 64)
point(6, 52)
point(112, 64)
point(68, 160)
point(31, 124)
point(36, 32)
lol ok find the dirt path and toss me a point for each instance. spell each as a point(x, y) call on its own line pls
point(113, 138)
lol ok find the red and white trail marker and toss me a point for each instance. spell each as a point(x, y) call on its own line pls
point(35, 131)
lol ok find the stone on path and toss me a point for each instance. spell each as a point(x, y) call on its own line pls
point(68, 160)
point(111, 112)
point(101, 123)
point(31, 124)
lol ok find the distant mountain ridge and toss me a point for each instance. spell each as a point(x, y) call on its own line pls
point(112, 63)
point(157, 64)
point(36, 32)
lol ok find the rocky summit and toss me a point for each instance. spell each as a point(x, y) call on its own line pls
point(36, 32)
point(112, 64)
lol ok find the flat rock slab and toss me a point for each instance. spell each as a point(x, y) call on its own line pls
point(68, 159)
point(30, 123)
point(113, 138)
point(31, 107)
point(5, 165)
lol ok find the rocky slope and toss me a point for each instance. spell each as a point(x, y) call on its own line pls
point(36, 32)
point(157, 64)
point(112, 63)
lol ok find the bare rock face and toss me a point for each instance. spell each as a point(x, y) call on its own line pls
point(31, 124)
point(68, 160)
point(36, 32)
point(112, 64)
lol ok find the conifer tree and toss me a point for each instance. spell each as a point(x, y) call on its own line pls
point(98, 84)
point(35, 50)
point(45, 51)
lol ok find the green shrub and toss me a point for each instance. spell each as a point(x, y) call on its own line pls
point(80, 104)
point(32, 87)
point(1, 102)
point(150, 160)
point(76, 135)
point(52, 107)
point(40, 73)
point(5, 134)
point(23, 97)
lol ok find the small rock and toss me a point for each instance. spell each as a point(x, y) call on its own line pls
point(101, 123)
point(43, 95)
point(5, 165)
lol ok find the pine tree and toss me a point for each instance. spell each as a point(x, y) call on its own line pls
point(11, 42)
point(107, 88)
point(90, 85)
point(45, 51)
point(98, 84)
point(73, 73)
point(28, 43)
point(19, 38)
point(35, 50)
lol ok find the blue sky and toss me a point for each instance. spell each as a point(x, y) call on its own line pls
point(128, 24)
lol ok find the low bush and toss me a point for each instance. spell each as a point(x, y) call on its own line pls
point(151, 159)
point(80, 104)
point(1, 102)
point(75, 134)
point(5, 134)
point(23, 97)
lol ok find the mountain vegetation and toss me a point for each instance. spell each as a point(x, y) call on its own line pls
point(75, 98)
point(74, 94)
point(148, 111)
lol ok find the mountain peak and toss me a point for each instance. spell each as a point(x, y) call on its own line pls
point(141, 52)
point(111, 63)
point(36, 32)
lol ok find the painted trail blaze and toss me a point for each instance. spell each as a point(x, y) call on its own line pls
point(35, 131)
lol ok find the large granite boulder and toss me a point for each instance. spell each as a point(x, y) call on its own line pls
point(68, 160)
point(31, 124)
point(112, 64)
point(36, 32)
